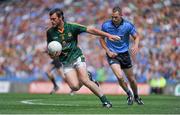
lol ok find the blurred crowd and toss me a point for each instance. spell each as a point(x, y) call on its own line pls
point(23, 25)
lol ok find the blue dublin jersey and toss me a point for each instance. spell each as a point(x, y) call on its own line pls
point(123, 30)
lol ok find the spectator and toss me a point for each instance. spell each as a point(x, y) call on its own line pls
point(22, 24)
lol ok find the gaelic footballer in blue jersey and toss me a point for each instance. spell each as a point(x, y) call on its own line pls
point(118, 52)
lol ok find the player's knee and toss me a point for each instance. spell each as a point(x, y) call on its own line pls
point(132, 81)
point(75, 88)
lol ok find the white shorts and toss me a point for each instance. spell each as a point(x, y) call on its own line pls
point(76, 64)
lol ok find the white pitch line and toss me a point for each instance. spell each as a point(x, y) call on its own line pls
point(31, 102)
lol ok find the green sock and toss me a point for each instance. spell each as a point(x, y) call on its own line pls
point(103, 99)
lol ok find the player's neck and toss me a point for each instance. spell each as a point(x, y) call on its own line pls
point(118, 23)
point(61, 27)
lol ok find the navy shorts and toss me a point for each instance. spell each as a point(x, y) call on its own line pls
point(123, 59)
point(57, 64)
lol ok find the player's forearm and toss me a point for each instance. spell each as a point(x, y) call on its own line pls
point(136, 40)
point(95, 31)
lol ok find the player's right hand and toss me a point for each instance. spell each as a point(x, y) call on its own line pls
point(54, 55)
point(111, 54)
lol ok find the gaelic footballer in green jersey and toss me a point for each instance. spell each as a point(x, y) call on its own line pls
point(70, 51)
point(74, 66)
point(69, 40)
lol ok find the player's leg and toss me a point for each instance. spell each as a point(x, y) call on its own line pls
point(116, 68)
point(91, 78)
point(118, 73)
point(55, 64)
point(61, 73)
point(71, 78)
point(126, 65)
point(51, 77)
point(83, 76)
point(133, 84)
point(73, 82)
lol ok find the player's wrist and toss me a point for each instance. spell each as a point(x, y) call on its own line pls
point(107, 50)
point(109, 35)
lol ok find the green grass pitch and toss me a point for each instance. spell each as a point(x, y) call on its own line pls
point(84, 104)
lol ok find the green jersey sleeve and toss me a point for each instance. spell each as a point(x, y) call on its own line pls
point(78, 28)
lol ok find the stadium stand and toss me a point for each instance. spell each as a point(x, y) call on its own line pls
point(23, 39)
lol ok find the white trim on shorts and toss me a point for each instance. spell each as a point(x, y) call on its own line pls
point(76, 64)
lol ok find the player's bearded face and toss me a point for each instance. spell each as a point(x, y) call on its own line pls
point(55, 20)
point(116, 18)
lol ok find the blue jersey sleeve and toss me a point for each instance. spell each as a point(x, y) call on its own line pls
point(103, 28)
point(132, 30)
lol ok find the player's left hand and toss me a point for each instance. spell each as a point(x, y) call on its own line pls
point(114, 38)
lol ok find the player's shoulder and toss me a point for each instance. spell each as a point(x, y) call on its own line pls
point(106, 23)
point(49, 30)
point(74, 24)
point(127, 22)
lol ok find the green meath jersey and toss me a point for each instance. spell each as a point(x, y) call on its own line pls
point(68, 39)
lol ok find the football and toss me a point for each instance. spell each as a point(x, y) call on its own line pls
point(54, 46)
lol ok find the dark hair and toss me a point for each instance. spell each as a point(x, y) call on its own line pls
point(58, 12)
point(117, 9)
